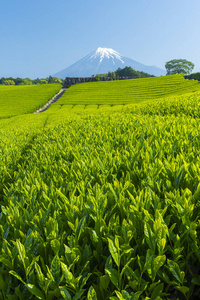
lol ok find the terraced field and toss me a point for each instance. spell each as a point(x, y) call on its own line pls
point(102, 202)
point(18, 100)
point(127, 91)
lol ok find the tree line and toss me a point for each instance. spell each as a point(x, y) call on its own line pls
point(181, 66)
point(28, 81)
point(125, 72)
point(175, 66)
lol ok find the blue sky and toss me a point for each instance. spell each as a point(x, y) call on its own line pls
point(41, 37)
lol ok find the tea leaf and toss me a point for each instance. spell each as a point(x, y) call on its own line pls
point(91, 294)
point(64, 293)
point(157, 292)
point(35, 291)
point(114, 252)
point(113, 274)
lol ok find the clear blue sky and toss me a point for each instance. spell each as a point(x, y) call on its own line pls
point(42, 37)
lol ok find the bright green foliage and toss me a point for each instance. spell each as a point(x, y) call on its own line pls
point(101, 203)
point(127, 91)
point(178, 66)
point(18, 100)
point(186, 105)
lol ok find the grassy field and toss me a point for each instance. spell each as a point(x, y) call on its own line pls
point(128, 91)
point(18, 100)
point(101, 202)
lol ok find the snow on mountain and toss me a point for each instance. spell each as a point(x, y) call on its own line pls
point(106, 53)
point(104, 60)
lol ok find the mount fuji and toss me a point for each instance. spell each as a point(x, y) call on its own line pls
point(104, 60)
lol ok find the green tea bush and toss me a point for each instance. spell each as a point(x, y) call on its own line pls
point(102, 206)
point(102, 201)
point(184, 105)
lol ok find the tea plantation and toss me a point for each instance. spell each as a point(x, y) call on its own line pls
point(101, 200)
point(18, 100)
point(128, 91)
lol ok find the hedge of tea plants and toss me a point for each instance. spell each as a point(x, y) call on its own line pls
point(101, 206)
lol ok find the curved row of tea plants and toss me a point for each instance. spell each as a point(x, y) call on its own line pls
point(184, 105)
point(127, 91)
point(102, 206)
point(15, 134)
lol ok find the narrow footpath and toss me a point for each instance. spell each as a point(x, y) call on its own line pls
point(54, 99)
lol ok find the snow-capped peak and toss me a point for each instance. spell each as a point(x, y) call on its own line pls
point(106, 53)
point(104, 60)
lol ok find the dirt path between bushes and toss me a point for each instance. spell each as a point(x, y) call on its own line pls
point(54, 99)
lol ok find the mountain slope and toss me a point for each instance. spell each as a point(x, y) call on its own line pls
point(104, 60)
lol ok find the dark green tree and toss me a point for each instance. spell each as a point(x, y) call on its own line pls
point(112, 75)
point(50, 79)
point(195, 76)
point(97, 77)
point(177, 66)
point(8, 82)
point(131, 73)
